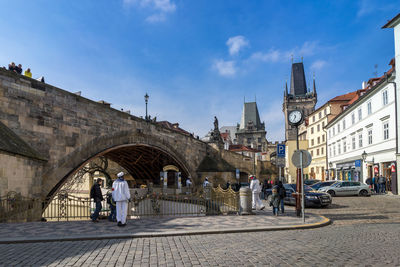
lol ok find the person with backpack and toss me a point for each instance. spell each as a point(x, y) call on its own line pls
point(95, 193)
point(282, 194)
point(274, 201)
point(112, 206)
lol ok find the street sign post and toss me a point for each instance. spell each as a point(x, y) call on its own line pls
point(301, 158)
point(280, 151)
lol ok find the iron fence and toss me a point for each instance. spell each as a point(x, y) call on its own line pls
point(212, 201)
point(14, 207)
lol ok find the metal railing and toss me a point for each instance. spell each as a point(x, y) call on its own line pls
point(213, 201)
point(14, 207)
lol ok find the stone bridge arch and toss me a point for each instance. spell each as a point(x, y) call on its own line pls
point(187, 155)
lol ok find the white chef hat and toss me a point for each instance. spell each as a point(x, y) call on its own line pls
point(120, 174)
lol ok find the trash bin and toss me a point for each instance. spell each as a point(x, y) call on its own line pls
point(245, 201)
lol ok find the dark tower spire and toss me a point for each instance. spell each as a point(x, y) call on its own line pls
point(286, 91)
point(314, 88)
point(298, 85)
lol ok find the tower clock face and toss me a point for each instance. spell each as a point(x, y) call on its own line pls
point(295, 117)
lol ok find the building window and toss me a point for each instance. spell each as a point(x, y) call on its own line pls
point(318, 140)
point(385, 130)
point(338, 128)
point(360, 140)
point(312, 142)
point(317, 151)
point(323, 138)
point(334, 150)
point(312, 130)
point(312, 154)
point(344, 146)
point(330, 151)
point(353, 118)
point(323, 124)
point(324, 112)
point(369, 136)
point(369, 108)
point(344, 124)
point(318, 128)
point(353, 142)
point(259, 139)
point(385, 97)
point(248, 140)
point(359, 114)
point(322, 151)
point(339, 149)
point(319, 115)
point(333, 131)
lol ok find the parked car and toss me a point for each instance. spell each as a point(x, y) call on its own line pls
point(318, 185)
point(347, 188)
point(312, 198)
point(311, 181)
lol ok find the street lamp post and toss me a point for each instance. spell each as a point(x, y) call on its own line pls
point(146, 100)
point(364, 157)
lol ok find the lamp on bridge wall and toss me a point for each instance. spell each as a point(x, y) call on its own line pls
point(146, 100)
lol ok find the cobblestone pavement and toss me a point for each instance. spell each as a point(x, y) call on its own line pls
point(148, 226)
point(368, 238)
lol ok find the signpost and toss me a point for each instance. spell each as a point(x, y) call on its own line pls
point(280, 158)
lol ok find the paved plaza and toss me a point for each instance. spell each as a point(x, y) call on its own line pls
point(364, 232)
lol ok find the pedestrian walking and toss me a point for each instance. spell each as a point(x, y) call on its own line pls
point(121, 195)
point(206, 183)
point(274, 201)
point(113, 209)
point(282, 194)
point(256, 190)
point(95, 193)
point(382, 184)
point(375, 183)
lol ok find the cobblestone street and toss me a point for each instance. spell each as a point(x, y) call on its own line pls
point(360, 225)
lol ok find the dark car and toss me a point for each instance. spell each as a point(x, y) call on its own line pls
point(312, 198)
point(317, 186)
point(236, 187)
point(311, 181)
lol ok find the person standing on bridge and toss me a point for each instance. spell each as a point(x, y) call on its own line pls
point(95, 193)
point(121, 195)
point(256, 190)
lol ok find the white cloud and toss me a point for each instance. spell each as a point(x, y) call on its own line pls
point(161, 7)
point(318, 64)
point(225, 68)
point(271, 56)
point(275, 55)
point(236, 43)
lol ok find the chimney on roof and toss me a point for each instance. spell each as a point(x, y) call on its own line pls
point(175, 125)
point(363, 85)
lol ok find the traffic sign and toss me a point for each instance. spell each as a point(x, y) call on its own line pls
point(280, 151)
point(280, 162)
point(306, 158)
point(357, 163)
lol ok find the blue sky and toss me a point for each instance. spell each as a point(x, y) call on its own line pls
point(198, 59)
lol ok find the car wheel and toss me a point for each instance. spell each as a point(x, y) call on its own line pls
point(331, 192)
point(363, 193)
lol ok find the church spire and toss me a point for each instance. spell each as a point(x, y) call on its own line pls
point(286, 90)
point(314, 88)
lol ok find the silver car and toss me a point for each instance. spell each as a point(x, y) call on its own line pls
point(347, 188)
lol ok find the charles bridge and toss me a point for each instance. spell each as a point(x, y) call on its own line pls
point(48, 134)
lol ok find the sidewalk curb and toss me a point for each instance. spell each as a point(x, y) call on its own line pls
point(324, 222)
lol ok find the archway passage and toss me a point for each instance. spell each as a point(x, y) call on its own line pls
point(144, 162)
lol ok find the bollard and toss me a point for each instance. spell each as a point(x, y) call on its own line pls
point(245, 201)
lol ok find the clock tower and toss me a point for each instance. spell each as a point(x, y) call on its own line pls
point(299, 98)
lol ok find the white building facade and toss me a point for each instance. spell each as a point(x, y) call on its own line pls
point(366, 125)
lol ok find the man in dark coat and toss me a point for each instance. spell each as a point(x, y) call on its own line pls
point(282, 195)
point(95, 193)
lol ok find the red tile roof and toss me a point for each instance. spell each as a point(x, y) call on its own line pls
point(242, 148)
